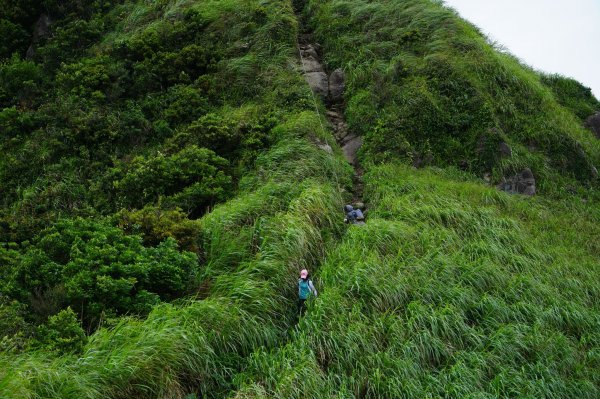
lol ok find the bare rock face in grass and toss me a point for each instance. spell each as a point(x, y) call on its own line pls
point(593, 123)
point(337, 85)
point(350, 148)
point(521, 183)
point(317, 82)
point(41, 31)
point(310, 64)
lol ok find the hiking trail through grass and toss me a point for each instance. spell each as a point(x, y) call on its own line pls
point(330, 87)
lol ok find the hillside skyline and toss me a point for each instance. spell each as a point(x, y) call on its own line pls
point(529, 31)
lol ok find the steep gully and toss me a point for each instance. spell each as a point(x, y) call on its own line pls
point(330, 87)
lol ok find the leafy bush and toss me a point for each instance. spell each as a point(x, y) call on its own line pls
point(15, 331)
point(155, 225)
point(20, 82)
point(95, 268)
point(62, 333)
point(95, 78)
point(192, 179)
point(14, 38)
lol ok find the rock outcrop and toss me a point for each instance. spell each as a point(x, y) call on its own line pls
point(593, 123)
point(317, 82)
point(521, 183)
point(314, 73)
point(337, 85)
point(505, 150)
point(41, 31)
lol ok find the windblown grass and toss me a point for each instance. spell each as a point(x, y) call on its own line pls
point(426, 86)
point(451, 289)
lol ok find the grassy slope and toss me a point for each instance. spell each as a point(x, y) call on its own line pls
point(282, 220)
point(424, 84)
point(451, 289)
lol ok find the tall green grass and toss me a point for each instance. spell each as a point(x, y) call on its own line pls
point(450, 290)
point(256, 244)
point(426, 86)
point(284, 218)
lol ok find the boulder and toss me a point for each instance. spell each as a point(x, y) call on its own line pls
point(593, 123)
point(317, 82)
point(350, 149)
point(521, 183)
point(310, 64)
point(42, 27)
point(309, 51)
point(40, 31)
point(337, 85)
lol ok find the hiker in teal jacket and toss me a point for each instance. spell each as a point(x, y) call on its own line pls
point(305, 289)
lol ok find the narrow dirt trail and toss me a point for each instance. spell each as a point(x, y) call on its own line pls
point(330, 86)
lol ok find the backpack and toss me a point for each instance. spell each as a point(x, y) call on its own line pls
point(304, 288)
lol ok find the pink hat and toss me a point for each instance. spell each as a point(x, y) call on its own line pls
point(303, 273)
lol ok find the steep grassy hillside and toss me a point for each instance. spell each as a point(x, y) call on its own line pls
point(450, 290)
point(425, 86)
point(166, 173)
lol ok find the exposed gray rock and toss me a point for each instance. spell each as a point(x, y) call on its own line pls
point(593, 123)
point(41, 31)
point(594, 172)
point(42, 28)
point(421, 160)
point(337, 85)
point(505, 149)
point(351, 148)
point(309, 51)
point(309, 64)
point(522, 183)
point(317, 82)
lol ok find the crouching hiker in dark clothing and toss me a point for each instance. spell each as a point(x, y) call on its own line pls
point(353, 216)
point(305, 289)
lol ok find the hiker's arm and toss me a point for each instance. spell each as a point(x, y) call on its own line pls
point(312, 288)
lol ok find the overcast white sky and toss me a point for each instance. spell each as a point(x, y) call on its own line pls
point(556, 36)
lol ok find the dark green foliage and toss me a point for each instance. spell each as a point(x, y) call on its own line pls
point(572, 95)
point(96, 79)
point(14, 329)
point(192, 179)
point(237, 138)
point(62, 333)
point(20, 82)
point(155, 225)
point(95, 268)
point(14, 38)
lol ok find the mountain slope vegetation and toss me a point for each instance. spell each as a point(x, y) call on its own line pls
point(166, 173)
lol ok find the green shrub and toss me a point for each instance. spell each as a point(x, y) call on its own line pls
point(192, 179)
point(62, 333)
point(95, 268)
point(20, 82)
point(14, 38)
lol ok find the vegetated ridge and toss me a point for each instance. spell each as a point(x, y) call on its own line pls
point(166, 172)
